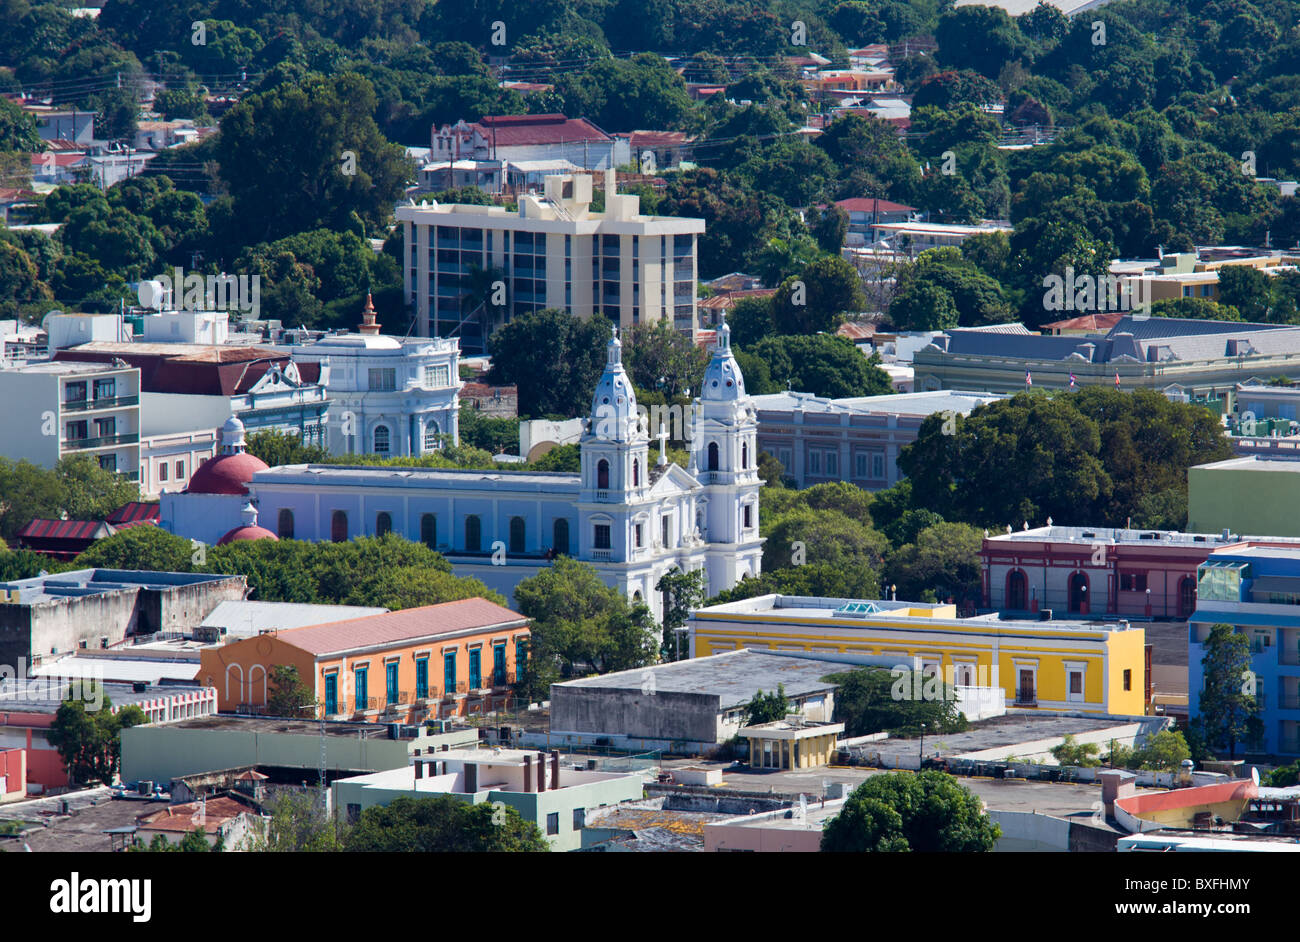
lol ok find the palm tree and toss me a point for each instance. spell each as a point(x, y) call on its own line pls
point(478, 288)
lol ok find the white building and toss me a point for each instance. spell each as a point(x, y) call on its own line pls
point(387, 396)
point(632, 521)
point(554, 252)
point(53, 410)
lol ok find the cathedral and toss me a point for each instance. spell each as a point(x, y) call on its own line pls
point(631, 516)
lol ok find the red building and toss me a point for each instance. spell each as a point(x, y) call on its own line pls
point(1098, 571)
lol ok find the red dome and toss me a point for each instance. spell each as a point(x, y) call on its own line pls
point(225, 474)
point(246, 533)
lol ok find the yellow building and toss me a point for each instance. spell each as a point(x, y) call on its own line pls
point(1089, 667)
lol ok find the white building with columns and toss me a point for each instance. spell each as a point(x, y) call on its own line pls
point(631, 517)
point(387, 396)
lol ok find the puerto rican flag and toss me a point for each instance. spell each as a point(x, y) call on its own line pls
point(1117, 379)
point(1029, 379)
point(1071, 380)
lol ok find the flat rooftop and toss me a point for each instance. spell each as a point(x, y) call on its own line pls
point(427, 477)
point(81, 582)
point(240, 618)
point(63, 367)
point(1251, 463)
point(882, 613)
point(22, 700)
point(271, 724)
point(916, 403)
point(733, 676)
point(1000, 732)
point(1110, 535)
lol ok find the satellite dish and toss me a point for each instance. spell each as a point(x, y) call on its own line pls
point(1254, 775)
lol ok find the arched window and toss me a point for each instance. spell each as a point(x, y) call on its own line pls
point(339, 526)
point(383, 523)
point(431, 433)
point(713, 456)
point(1078, 592)
point(382, 444)
point(744, 454)
point(636, 473)
point(1017, 591)
point(429, 531)
point(560, 537)
point(517, 534)
point(284, 526)
point(636, 596)
point(1186, 597)
point(602, 475)
point(473, 534)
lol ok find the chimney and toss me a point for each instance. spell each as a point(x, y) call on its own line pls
point(541, 771)
point(555, 769)
point(611, 184)
point(528, 773)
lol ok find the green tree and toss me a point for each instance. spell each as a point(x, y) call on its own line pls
point(1247, 290)
point(1073, 753)
point(814, 301)
point(767, 707)
point(579, 622)
point(1227, 706)
point(936, 815)
point(194, 842)
point(660, 357)
point(750, 320)
point(823, 364)
point(289, 696)
point(553, 357)
point(278, 448)
point(443, 824)
point(90, 742)
point(682, 593)
point(139, 548)
point(310, 156)
point(497, 435)
point(900, 701)
point(944, 559)
point(298, 825)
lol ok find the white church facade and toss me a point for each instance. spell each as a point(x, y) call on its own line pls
point(631, 516)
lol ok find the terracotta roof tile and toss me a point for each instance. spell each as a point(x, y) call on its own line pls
point(398, 627)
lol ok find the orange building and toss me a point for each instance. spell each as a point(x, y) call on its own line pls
point(398, 667)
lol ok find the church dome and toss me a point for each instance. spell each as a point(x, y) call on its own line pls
point(722, 379)
point(613, 407)
point(249, 530)
point(231, 469)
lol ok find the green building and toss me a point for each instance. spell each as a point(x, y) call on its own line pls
point(1259, 496)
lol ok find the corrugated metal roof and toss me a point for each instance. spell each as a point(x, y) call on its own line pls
point(40, 529)
point(248, 617)
point(135, 511)
point(397, 627)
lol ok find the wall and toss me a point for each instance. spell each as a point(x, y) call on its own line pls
point(162, 753)
point(1029, 831)
point(667, 715)
point(57, 625)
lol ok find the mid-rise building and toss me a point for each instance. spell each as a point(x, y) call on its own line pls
point(468, 269)
point(1255, 588)
point(1080, 666)
point(195, 387)
point(856, 439)
point(60, 409)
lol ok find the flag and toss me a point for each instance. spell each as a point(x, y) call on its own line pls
point(1029, 380)
point(1117, 379)
point(1071, 380)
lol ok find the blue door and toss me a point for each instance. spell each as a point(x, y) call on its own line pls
point(421, 678)
point(475, 670)
point(449, 672)
point(363, 694)
point(331, 694)
point(390, 682)
point(499, 665)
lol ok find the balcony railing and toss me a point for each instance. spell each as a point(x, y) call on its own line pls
point(102, 441)
point(110, 402)
point(1026, 700)
point(1289, 702)
point(451, 692)
point(361, 704)
point(602, 555)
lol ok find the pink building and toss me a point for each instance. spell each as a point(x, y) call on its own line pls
point(1098, 571)
point(13, 774)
